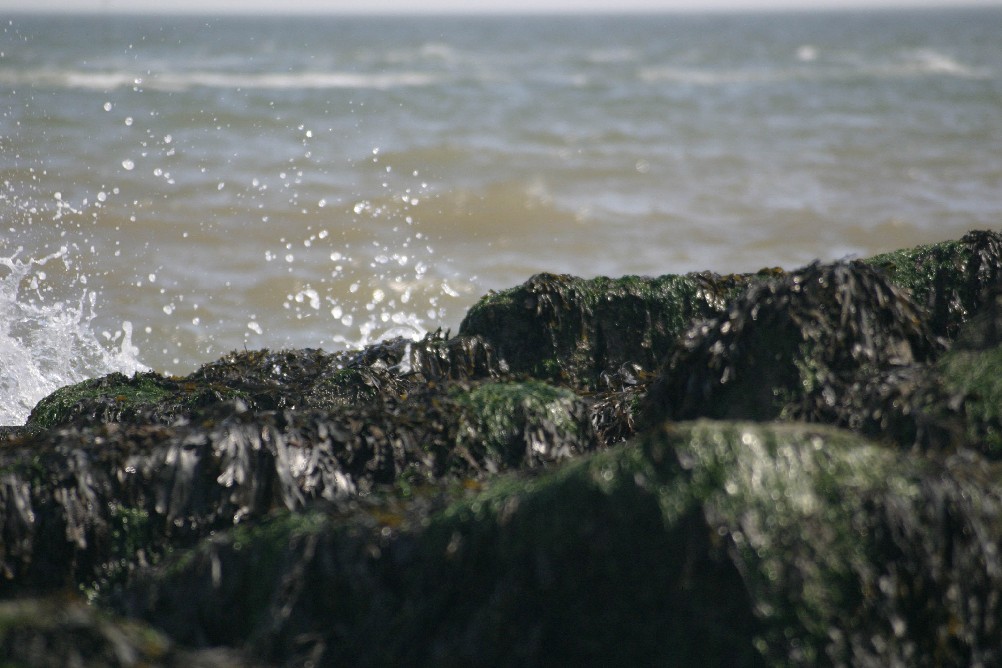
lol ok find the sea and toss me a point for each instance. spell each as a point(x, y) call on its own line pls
point(173, 188)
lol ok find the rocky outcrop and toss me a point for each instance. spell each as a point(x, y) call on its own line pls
point(780, 468)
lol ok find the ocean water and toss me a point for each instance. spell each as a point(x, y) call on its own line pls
point(174, 188)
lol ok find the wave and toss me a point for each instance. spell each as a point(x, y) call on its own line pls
point(812, 66)
point(44, 346)
point(183, 81)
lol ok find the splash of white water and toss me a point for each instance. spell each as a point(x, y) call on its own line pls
point(44, 346)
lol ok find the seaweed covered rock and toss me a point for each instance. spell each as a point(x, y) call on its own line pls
point(573, 330)
point(84, 505)
point(63, 631)
point(854, 554)
point(574, 567)
point(271, 380)
point(702, 544)
point(119, 398)
point(795, 348)
point(971, 385)
point(950, 279)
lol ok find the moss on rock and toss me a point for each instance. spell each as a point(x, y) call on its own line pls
point(271, 380)
point(949, 279)
point(794, 348)
point(703, 543)
point(522, 425)
point(83, 506)
point(572, 330)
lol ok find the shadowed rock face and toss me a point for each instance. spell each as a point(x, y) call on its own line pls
point(439, 502)
point(702, 544)
point(62, 631)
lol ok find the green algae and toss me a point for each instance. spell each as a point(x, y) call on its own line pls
point(949, 278)
point(570, 330)
point(113, 397)
point(704, 543)
point(797, 347)
point(512, 424)
point(973, 375)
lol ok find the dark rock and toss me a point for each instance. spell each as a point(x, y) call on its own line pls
point(703, 544)
point(795, 348)
point(267, 380)
point(86, 505)
point(949, 279)
point(361, 507)
point(573, 330)
point(63, 631)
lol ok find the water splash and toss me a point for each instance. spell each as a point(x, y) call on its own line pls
point(44, 346)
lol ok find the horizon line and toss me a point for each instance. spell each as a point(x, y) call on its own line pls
point(249, 12)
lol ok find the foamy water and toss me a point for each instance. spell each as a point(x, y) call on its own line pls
point(45, 344)
point(179, 188)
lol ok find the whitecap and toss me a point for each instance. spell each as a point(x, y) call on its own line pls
point(177, 81)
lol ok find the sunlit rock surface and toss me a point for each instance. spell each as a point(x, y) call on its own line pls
point(534, 491)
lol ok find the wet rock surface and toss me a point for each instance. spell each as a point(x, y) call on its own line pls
point(544, 487)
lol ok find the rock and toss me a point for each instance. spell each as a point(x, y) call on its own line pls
point(949, 279)
point(266, 380)
point(85, 505)
point(441, 501)
point(794, 348)
point(571, 330)
point(702, 543)
point(64, 631)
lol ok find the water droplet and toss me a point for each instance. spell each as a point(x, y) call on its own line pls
point(107, 106)
point(128, 120)
point(322, 203)
point(254, 327)
point(128, 165)
point(222, 184)
point(102, 196)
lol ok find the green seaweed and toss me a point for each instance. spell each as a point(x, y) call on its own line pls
point(113, 395)
point(514, 424)
point(705, 543)
point(949, 278)
point(571, 330)
point(974, 376)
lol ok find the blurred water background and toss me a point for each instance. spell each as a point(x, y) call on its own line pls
point(172, 188)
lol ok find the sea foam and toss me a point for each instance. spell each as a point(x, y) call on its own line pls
point(44, 346)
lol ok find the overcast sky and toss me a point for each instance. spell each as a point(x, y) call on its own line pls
point(424, 6)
